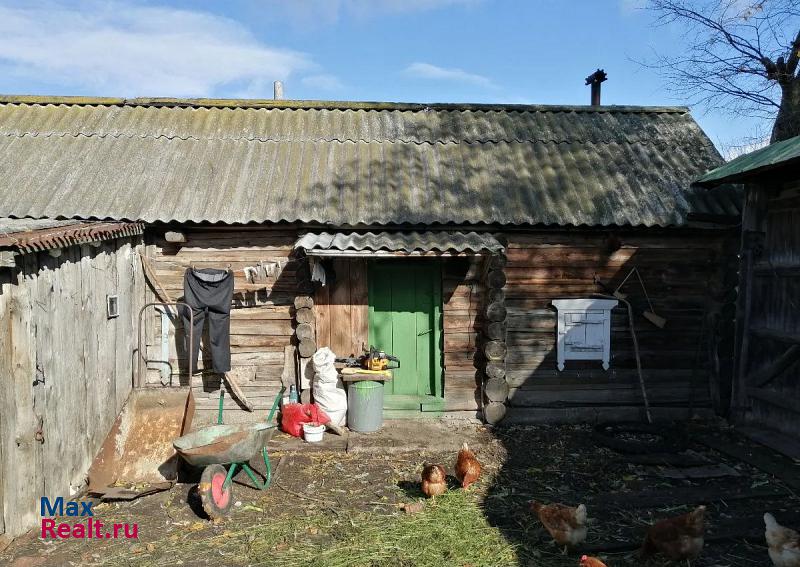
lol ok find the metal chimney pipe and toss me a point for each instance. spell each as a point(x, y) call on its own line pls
point(595, 79)
point(278, 87)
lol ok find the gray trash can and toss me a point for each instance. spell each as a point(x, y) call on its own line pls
point(365, 406)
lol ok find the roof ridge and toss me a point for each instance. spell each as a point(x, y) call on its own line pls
point(652, 141)
point(218, 103)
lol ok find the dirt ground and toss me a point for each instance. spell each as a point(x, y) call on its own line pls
point(340, 505)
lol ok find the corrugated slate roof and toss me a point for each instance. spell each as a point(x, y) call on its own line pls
point(353, 163)
point(408, 242)
point(775, 155)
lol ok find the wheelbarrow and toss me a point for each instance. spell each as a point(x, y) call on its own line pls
point(234, 445)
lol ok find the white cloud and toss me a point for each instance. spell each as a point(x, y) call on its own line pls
point(322, 82)
point(434, 72)
point(129, 50)
point(316, 12)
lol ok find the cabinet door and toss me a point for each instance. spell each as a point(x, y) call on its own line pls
point(584, 331)
point(595, 336)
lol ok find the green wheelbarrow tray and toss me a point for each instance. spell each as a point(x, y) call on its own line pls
point(223, 444)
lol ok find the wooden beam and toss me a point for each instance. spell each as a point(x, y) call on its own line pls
point(175, 237)
point(775, 398)
point(763, 270)
point(771, 371)
point(760, 457)
point(775, 335)
point(8, 259)
point(753, 217)
point(683, 496)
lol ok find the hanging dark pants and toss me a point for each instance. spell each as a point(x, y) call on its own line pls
point(209, 291)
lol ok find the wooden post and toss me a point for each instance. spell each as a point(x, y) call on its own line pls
point(752, 240)
point(16, 406)
point(5, 398)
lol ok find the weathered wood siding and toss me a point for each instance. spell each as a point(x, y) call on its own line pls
point(342, 309)
point(67, 368)
point(261, 318)
point(769, 371)
point(685, 275)
point(462, 294)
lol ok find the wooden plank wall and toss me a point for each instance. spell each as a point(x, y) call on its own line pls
point(683, 270)
point(72, 368)
point(773, 325)
point(462, 294)
point(342, 309)
point(684, 273)
point(261, 318)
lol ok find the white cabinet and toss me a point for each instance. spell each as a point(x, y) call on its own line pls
point(584, 330)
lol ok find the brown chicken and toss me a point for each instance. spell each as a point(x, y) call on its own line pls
point(468, 469)
point(587, 561)
point(679, 538)
point(783, 543)
point(434, 480)
point(567, 525)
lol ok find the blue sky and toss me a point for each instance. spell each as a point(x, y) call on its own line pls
point(518, 51)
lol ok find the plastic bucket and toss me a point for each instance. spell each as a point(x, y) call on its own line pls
point(312, 432)
point(365, 406)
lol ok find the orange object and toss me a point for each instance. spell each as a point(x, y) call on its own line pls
point(567, 525)
point(293, 416)
point(434, 480)
point(587, 561)
point(468, 468)
point(679, 538)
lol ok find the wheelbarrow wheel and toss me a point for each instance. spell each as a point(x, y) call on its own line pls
point(214, 496)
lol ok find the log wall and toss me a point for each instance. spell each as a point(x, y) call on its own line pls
point(67, 369)
point(689, 278)
point(261, 317)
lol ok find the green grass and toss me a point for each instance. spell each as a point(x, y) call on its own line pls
point(453, 531)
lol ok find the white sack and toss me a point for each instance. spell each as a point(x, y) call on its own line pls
point(329, 392)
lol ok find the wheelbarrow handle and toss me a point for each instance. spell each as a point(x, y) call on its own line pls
point(275, 404)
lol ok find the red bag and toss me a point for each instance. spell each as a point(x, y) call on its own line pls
point(293, 416)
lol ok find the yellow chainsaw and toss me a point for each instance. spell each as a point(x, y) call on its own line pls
point(372, 359)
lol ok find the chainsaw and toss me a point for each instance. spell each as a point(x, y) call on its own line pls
point(372, 359)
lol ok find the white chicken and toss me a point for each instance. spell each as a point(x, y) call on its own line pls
point(783, 543)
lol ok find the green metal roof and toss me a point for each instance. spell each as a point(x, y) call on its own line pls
point(353, 163)
point(773, 156)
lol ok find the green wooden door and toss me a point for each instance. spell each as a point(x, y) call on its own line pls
point(405, 307)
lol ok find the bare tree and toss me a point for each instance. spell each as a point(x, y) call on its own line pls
point(740, 55)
